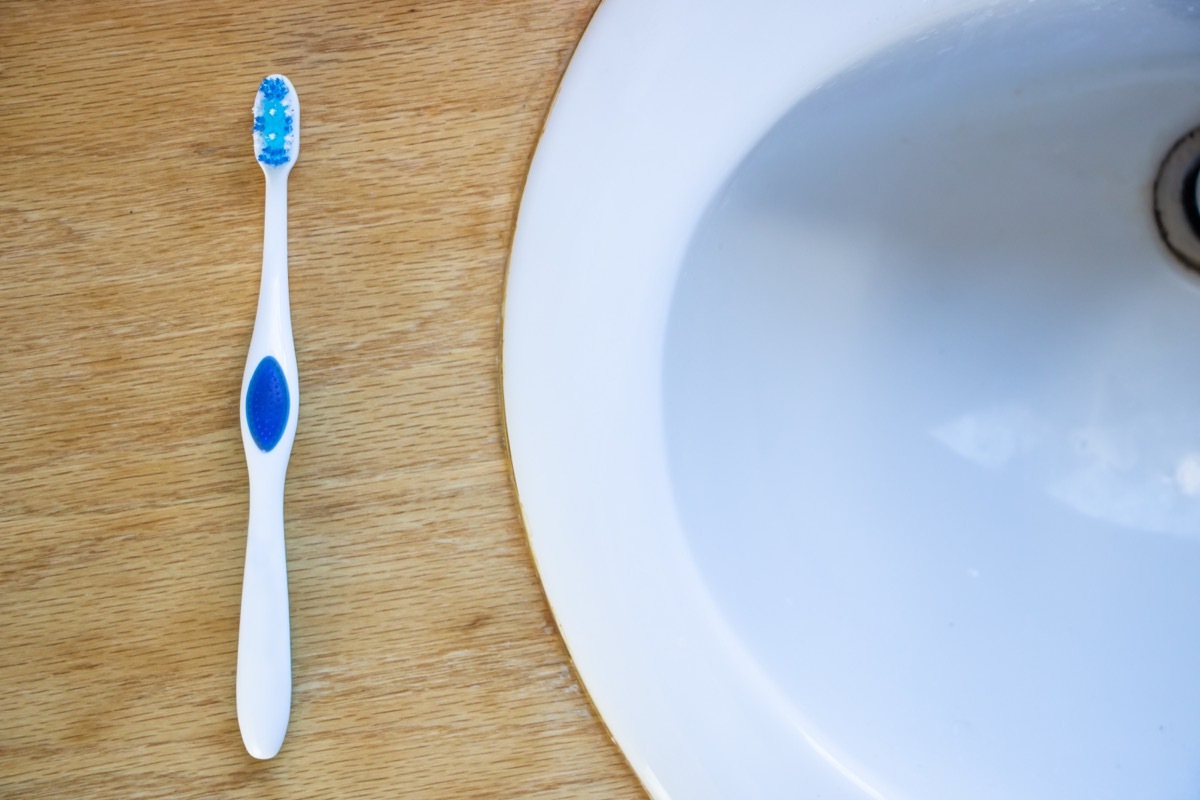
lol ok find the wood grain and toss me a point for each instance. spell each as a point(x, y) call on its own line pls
point(426, 663)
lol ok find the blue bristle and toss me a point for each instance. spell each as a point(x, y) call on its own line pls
point(274, 121)
point(273, 88)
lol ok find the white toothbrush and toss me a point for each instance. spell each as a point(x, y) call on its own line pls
point(270, 404)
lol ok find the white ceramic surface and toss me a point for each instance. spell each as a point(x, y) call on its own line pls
point(853, 402)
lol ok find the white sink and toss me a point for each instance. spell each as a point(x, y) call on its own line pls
point(854, 401)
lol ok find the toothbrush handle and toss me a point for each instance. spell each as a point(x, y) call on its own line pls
point(264, 664)
point(269, 412)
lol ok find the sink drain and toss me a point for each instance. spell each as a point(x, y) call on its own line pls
point(1176, 207)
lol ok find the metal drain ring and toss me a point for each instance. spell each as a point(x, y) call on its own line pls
point(1175, 203)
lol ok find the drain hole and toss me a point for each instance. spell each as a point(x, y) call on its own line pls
point(1188, 198)
point(1176, 207)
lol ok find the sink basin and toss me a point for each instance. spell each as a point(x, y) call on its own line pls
point(852, 396)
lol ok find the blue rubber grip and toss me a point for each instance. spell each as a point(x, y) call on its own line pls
point(267, 404)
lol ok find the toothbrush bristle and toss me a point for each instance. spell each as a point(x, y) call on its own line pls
point(273, 122)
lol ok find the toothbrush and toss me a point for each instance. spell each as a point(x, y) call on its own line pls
point(270, 404)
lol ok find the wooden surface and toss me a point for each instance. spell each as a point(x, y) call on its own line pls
point(426, 663)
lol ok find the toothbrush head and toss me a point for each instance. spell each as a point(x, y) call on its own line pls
point(276, 123)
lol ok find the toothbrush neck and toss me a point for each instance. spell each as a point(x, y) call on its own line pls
point(275, 231)
point(274, 312)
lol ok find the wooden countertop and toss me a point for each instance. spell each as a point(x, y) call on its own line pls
point(426, 662)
